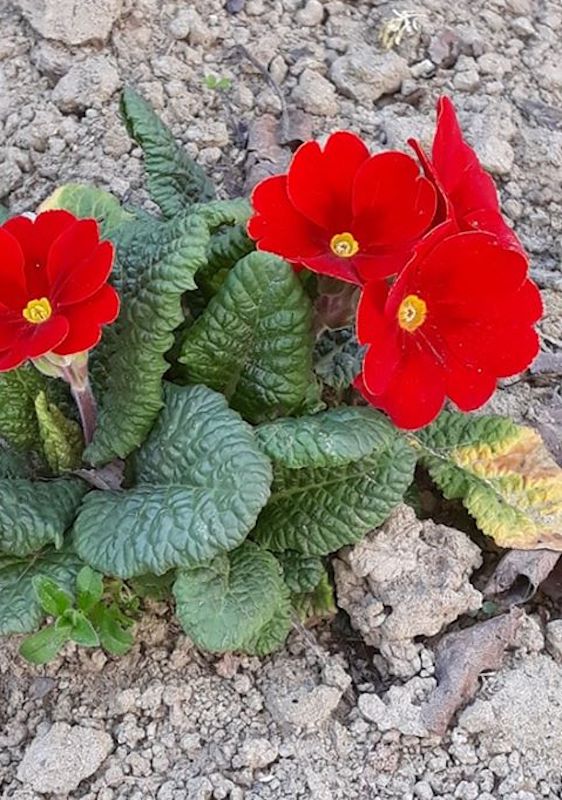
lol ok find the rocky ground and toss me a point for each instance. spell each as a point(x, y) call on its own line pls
point(337, 714)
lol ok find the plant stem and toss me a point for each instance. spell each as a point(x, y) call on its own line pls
point(87, 408)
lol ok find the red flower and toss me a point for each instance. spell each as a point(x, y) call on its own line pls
point(344, 213)
point(460, 316)
point(54, 295)
point(466, 192)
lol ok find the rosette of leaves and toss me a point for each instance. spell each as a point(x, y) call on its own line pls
point(235, 487)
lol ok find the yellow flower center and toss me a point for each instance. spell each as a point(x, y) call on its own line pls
point(412, 313)
point(37, 311)
point(344, 245)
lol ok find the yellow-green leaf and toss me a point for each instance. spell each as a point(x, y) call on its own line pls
point(502, 472)
point(61, 437)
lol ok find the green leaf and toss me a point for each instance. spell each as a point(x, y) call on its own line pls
point(318, 604)
point(134, 347)
point(113, 636)
point(274, 633)
point(82, 631)
point(253, 343)
point(4, 214)
point(319, 508)
point(36, 513)
point(338, 357)
point(43, 646)
point(225, 248)
point(14, 464)
point(502, 472)
point(89, 202)
point(89, 588)
point(201, 482)
point(20, 611)
point(61, 437)
point(302, 573)
point(327, 439)
point(157, 587)
point(52, 599)
point(18, 422)
point(225, 604)
point(174, 181)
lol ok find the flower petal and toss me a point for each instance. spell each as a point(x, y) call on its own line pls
point(12, 274)
point(320, 181)
point(380, 363)
point(502, 350)
point(85, 320)
point(470, 273)
point(492, 222)
point(416, 392)
point(34, 341)
point(468, 387)
point(277, 226)
point(85, 280)
point(67, 257)
point(371, 322)
point(464, 180)
point(393, 204)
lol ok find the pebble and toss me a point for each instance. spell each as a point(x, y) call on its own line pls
point(365, 75)
point(315, 94)
point(312, 14)
point(467, 81)
point(88, 83)
point(70, 22)
point(554, 639)
point(63, 757)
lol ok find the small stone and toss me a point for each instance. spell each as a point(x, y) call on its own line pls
point(256, 754)
point(316, 94)
point(523, 27)
point(423, 69)
point(312, 14)
point(423, 791)
point(467, 81)
point(529, 635)
point(400, 710)
point(180, 26)
point(494, 64)
point(444, 48)
point(364, 74)
point(10, 176)
point(520, 7)
point(87, 84)
point(496, 155)
point(554, 639)
point(477, 717)
point(70, 22)
point(302, 707)
point(61, 759)
point(467, 790)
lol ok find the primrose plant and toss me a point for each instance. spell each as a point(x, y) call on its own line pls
point(209, 402)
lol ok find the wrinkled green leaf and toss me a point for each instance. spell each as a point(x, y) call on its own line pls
point(133, 349)
point(224, 605)
point(318, 604)
point(338, 357)
point(201, 481)
point(274, 633)
point(52, 599)
point(225, 248)
point(20, 611)
point(61, 437)
point(301, 573)
point(174, 180)
point(18, 390)
point(330, 438)
point(89, 202)
point(157, 587)
point(14, 464)
point(317, 509)
point(89, 588)
point(43, 646)
point(36, 513)
point(253, 343)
